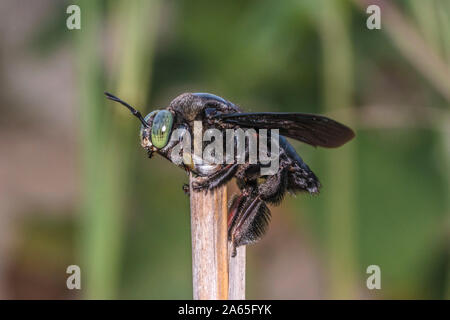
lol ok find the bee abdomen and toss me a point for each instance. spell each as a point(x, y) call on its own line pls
point(300, 176)
point(303, 179)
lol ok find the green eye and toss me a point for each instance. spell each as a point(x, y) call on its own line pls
point(161, 128)
point(147, 117)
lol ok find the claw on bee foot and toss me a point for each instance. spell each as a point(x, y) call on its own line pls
point(200, 186)
point(233, 249)
point(185, 188)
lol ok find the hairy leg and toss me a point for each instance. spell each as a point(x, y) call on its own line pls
point(215, 180)
point(274, 188)
point(249, 222)
point(185, 188)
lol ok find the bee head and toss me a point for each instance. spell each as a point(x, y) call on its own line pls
point(156, 127)
point(156, 135)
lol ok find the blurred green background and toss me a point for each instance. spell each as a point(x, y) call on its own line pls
point(77, 188)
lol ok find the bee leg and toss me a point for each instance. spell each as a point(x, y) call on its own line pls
point(248, 172)
point(215, 180)
point(227, 176)
point(185, 188)
point(274, 188)
point(234, 206)
point(250, 222)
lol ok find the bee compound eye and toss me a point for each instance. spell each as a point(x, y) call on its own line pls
point(145, 132)
point(161, 128)
point(149, 116)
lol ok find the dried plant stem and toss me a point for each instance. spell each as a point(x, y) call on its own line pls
point(236, 290)
point(209, 243)
point(215, 275)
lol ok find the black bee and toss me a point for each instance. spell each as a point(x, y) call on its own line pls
point(248, 214)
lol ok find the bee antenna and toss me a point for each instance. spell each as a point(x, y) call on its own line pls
point(135, 113)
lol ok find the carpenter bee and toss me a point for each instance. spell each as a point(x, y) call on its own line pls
point(248, 214)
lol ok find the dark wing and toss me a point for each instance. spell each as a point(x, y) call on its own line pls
point(312, 129)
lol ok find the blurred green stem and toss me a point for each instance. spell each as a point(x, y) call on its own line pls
point(105, 163)
point(433, 19)
point(138, 22)
point(340, 188)
point(413, 47)
point(100, 204)
point(427, 19)
point(446, 148)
